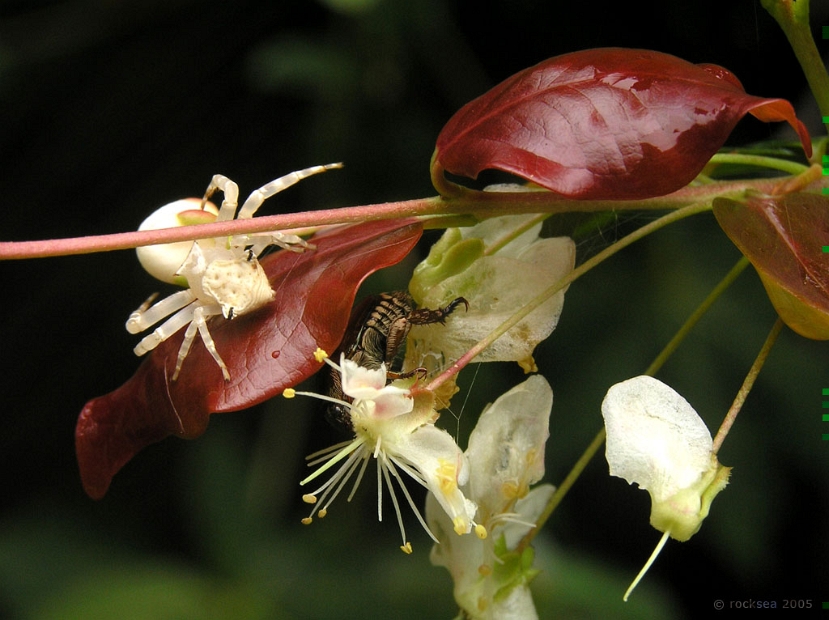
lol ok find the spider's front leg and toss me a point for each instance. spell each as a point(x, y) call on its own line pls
point(258, 196)
point(146, 316)
point(258, 242)
point(290, 242)
point(231, 196)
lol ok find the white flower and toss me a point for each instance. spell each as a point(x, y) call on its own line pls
point(398, 431)
point(498, 266)
point(657, 440)
point(506, 455)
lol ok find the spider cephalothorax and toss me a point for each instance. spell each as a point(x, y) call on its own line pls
point(223, 275)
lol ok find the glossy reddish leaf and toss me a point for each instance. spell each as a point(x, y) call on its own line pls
point(603, 124)
point(265, 351)
point(784, 238)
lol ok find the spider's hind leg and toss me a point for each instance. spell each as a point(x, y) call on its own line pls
point(199, 323)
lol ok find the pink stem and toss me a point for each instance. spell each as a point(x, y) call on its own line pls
point(479, 204)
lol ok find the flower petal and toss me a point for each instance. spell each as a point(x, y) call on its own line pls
point(527, 511)
point(361, 382)
point(444, 467)
point(506, 449)
point(654, 437)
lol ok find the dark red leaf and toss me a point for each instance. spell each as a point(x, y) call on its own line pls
point(603, 124)
point(265, 351)
point(783, 238)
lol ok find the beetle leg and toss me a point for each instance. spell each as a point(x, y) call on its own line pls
point(425, 316)
point(420, 372)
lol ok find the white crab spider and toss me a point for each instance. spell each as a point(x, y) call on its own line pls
point(223, 274)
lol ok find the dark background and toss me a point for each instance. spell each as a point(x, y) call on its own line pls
point(109, 109)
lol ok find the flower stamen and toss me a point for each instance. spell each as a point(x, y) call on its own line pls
point(383, 466)
point(336, 482)
point(359, 478)
point(389, 428)
point(418, 478)
point(351, 447)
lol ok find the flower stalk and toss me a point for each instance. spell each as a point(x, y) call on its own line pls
point(748, 383)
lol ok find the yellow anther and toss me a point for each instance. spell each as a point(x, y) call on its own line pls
point(480, 531)
point(407, 548)
point(320, 355)
point(307, 521)
point(289, 393)
point(322, 513)
point(308, 498)
point(446, 474)
point(461, 525)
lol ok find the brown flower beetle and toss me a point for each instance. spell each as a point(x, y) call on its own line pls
point(375, 336)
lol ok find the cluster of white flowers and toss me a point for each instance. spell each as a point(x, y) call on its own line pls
point(485, 489)
point(654, 437)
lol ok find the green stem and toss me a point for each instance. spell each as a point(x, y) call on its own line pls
point(513, 234)
point(760, 161)
point(793, 18)
point(748, 383)
point(692, 320)
point(563, 488)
